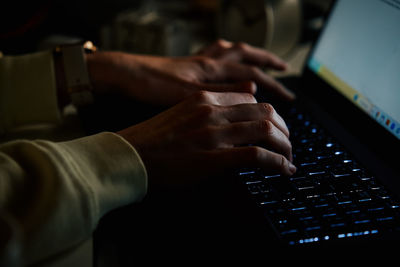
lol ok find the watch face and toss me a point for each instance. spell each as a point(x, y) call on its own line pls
point(244, 21)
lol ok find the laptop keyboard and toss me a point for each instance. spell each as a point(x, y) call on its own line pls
point(330, 197)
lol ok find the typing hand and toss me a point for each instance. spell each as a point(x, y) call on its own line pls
point(221, 67)
point(201, 136)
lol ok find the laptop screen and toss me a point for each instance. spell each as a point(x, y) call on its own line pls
point(358, 54)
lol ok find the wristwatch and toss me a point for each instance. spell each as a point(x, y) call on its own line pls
point(72, 75)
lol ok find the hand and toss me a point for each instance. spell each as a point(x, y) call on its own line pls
point(220, 67)
point(202, 136)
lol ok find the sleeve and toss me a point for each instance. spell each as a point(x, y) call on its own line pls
point(27, 90)
point(59, 191)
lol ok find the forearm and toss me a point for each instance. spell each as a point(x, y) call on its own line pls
point(110, 70)
point(101, 67)
point(59, 191)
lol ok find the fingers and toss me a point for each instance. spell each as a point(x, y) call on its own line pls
point(250, 157)
point(259, 132)
point(242, 87)
point(216, 48)
point(222, 99)
point(223, 61)
point(242, 52)
point(230, 120)
point(244, 122)
point(239, 72)
point(255, 112)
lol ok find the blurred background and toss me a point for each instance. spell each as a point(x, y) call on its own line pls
point(154, 27)
point(157, 27)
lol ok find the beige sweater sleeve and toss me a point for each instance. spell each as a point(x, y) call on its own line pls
point(27, 91)
point(59, 191)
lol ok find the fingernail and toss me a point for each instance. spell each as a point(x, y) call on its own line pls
point(292, 168)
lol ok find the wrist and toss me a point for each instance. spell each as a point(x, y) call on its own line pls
point(104, 71)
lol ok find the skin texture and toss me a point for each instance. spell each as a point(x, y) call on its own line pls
point(221, 67)
point(202, 135)
point(213, 115)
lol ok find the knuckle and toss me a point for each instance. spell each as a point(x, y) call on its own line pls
point(241, 46)
point(207, 64)
point(221, 43)
point(202, 96)
point(249, 98)
point(282, 163)
point(268, 109)
point(266, 127)
point(255, 153)
point(206, 111)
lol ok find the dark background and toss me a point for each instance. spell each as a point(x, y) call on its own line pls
point(215, 216)
point(24, 24)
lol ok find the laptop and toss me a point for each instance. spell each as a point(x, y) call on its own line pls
point(345, 133)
